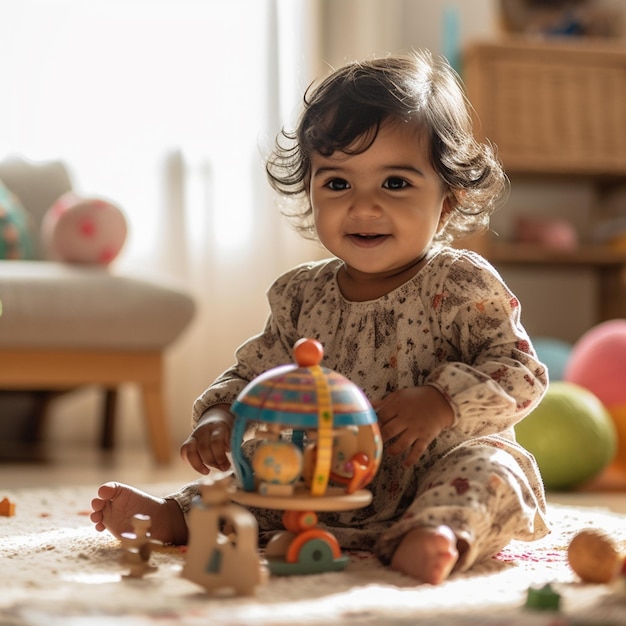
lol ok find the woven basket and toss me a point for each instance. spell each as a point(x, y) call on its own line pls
point(553, 107)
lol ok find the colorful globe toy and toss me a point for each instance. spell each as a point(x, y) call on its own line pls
point(320, 446)
point(313, 403)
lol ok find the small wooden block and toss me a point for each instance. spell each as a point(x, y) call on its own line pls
point(7, 508)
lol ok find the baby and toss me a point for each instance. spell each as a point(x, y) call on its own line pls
point(384, 170)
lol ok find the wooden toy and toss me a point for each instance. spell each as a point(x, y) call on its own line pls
point(216, 560)
point(594, 556)
point(138, 547)
point(320, 429)
point(7, 508)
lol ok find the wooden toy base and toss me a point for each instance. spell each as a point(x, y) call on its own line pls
point(313, 563)
point(336, 499)
point(303, 547)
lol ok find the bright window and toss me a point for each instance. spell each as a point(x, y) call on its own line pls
point(113, 86)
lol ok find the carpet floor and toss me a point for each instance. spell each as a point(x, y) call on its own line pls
point(56, 569)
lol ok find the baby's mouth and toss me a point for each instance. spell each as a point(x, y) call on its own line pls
point(366, 236)
point(366, 239)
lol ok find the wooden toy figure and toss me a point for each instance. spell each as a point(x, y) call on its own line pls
point(222, 551)
point(323, 446)
point(7, 508)
point(138, 547)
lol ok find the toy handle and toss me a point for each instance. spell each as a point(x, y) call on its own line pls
point(360, 472)
point(243, 468)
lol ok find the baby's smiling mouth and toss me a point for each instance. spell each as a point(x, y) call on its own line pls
point(366, 239)
point(366, 235)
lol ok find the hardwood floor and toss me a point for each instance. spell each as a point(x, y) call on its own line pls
point(90, 466)
point(614, 501)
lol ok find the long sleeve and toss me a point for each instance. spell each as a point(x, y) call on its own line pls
point(495, 379)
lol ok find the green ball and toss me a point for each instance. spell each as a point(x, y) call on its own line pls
point(571, 435)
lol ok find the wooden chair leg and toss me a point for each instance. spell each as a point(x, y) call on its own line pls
point(42, 403)
point(156, 423)
point(107, 437)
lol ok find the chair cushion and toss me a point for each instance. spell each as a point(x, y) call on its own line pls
point(59, 306)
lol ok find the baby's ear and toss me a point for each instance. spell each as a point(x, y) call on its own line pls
point(449, 202)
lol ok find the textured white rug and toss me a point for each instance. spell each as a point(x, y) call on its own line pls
point(56, 569)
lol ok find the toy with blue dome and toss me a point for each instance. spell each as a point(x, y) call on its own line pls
point(320, 447)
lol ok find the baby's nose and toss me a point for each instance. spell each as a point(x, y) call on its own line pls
point(366, 205)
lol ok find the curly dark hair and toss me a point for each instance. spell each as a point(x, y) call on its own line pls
point(345, 112)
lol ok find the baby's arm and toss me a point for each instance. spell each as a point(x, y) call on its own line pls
point(489, 377)
point(488, 368)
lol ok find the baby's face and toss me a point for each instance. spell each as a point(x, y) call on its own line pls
point(379, 210)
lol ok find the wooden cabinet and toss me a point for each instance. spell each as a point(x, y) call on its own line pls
point(551, 107)
point(556, 109)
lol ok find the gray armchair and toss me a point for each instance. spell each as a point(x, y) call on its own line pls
point(65, 325)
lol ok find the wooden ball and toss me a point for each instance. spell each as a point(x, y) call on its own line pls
point(308, 352)
point(594, 556)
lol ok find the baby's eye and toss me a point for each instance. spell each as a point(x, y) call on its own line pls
point(394, 182)
point(337, 184)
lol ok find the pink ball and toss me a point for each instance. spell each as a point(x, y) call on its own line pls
point(598, 362)
point(83, 230)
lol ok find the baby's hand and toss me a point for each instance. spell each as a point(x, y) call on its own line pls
point(209, 442)
point(413, 417)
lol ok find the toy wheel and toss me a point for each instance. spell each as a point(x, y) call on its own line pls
point(317, 538)
point(316, 552)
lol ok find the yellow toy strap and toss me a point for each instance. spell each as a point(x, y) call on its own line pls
point(323, 461)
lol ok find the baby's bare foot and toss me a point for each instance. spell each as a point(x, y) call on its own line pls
point(116, 504)
point(427, 554)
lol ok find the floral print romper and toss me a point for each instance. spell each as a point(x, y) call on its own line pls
point(454, 325)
